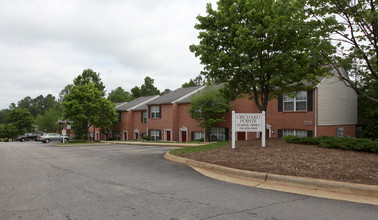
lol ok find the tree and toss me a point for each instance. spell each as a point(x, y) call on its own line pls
point(209, 107)
point(48, 121)
point(3, 116)
point(263, 48)
point(147, 89)
point(166, 91)
point(135, 92)
point(9, 131)
point(86, 107)
point(22, 119)
point(198, 81)
point(89, 76)
point(368, 111)
point(355, 28)
point(64, 92)
point(119, 95)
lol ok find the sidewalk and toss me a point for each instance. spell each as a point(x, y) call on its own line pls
point(359, 193)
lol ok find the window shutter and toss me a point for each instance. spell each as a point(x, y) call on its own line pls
point(159, 135)
point(192, 136)
point(280, 103)
point(227, 135)
point(309, 100)
point(149, 112)
point(309, 133)
point(279, 133)
point(159, 111)
point(141, 116)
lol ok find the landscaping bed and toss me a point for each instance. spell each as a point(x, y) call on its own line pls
point(280, 157)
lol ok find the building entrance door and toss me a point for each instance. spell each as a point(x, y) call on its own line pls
point(168, 135)
point(183, 136)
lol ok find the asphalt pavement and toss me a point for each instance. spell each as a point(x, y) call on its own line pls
point(43, 181)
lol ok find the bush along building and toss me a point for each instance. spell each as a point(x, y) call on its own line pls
point(329, 109)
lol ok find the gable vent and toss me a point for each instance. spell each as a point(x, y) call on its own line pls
point(307, 123)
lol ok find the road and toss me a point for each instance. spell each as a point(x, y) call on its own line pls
point(42, 181)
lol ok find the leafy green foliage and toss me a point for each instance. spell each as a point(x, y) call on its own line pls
point(89, 76)
point(209, 107)
point(198, 81)
point(86, 106)
point(48, 121)
point(368, 111)
point(147, 89)
point(119, 95)
point(346, 143)
point(22, 120)
point(8, 131)
point(263, 48)
point(354, 25)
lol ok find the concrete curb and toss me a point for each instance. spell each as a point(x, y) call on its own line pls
point(300, 185)
point(165, 144)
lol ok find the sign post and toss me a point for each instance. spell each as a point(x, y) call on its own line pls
point(64, 133)
point(247, 122)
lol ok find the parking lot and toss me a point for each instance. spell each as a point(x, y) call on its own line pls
point(44, 181)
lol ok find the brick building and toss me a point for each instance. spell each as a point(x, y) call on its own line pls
point(329, 109)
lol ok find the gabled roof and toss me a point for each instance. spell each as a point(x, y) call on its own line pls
point(188, 99)
point(134, 104)
point(176, 95)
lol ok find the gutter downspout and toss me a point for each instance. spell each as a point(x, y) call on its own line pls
point(316, 112)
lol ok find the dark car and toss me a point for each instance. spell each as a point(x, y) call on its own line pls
point(29, 136)
point(47, 138)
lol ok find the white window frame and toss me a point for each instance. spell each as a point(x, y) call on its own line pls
point(292, 132)
point(145, 116)
point(116, 135)
point(219, 132)
point(198, 135)
point(295, 100)
point(155, 111)
point(155, 135)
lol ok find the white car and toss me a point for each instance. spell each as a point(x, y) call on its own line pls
point(47, 138)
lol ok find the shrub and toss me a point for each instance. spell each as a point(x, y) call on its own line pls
point(146, 138)
point(345, 143)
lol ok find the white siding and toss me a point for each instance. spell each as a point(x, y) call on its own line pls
point(337, 104)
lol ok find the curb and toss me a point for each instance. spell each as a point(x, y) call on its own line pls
point(154, 144)
point(352, 192)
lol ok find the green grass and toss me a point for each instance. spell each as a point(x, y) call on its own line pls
point(187, 150)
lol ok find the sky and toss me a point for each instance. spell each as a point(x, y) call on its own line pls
point(45, 44)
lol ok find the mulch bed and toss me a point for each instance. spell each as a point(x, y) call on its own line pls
point(279, 157)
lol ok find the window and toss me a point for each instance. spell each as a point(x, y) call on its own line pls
point(91, 136)
point(297, 103)
point(155, 135)
point(298, 133)
point(116, 135)
point(198, 135)
point(218, 134)
point(155, 111)
point(144, 117)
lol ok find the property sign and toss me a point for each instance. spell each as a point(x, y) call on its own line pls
point(247, 122)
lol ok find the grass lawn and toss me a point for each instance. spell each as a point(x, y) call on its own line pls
point(193, 149)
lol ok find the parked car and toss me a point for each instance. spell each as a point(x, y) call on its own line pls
point(47, 138)
point(29, 136)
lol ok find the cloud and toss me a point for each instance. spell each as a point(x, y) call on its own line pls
point(44, 44)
